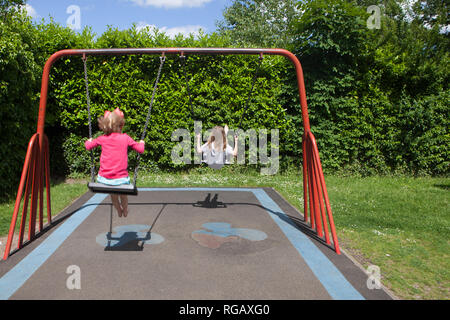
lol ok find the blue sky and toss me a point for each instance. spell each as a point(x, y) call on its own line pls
point(170, 16)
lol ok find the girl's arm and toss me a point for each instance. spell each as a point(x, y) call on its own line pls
point(137, 146)
point(235, 150)
point(91, 144)
point(199, 148)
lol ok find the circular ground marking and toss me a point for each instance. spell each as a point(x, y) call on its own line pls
point(122, 235)
point(218, 233)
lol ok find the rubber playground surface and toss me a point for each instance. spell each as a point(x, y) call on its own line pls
point(183, 243)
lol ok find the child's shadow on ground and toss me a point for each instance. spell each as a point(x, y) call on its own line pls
point(210, 203)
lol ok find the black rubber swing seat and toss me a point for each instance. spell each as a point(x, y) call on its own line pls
point(128, 189)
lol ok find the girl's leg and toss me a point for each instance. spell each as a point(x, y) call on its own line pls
point(115, 201)
point(124, 201)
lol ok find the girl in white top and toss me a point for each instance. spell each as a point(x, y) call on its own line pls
point(216, 151)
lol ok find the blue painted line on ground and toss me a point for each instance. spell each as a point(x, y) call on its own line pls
point(331, 278)
point(21, 272)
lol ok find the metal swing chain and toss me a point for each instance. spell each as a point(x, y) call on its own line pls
point(255, 76)
point(144, 133)
point(88, 101)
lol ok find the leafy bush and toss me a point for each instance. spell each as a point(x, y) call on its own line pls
point(376, 106)
point(219, 88)
point(19, 85)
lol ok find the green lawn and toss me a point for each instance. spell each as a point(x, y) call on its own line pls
point(400, 224)
point(62, 195)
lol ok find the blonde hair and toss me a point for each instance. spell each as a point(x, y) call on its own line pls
point(112, 123)
point(216, 132)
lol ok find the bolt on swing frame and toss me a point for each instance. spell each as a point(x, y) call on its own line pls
point(37, 168)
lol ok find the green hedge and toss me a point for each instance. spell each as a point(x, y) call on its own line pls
point(19, 76)
point(219, 88)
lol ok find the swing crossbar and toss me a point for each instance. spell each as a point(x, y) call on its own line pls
point(128, 189)
point(168, 51)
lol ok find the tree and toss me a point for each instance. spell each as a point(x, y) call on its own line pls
point(7, 5)
point(410, 51)
point(262, 23)
point(376, 96)
point(331, 39)
point(18, 92)
point(433, 14)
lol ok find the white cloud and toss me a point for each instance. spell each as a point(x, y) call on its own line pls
point(170, 3)
point(172, 32)
point(30, 11)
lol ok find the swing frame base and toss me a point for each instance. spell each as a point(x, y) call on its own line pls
point(128, 189)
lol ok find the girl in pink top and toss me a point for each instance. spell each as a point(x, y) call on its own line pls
point(114, 156)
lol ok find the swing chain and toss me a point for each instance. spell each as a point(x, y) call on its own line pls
point(88, 101)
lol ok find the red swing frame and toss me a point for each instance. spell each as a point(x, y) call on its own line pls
point(36, 167)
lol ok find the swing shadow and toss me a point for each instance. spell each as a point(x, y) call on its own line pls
point(133, 243)
point(130, 240)
point(210, 203)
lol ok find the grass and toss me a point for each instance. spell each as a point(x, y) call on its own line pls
point(401, 224)
point(62, 195)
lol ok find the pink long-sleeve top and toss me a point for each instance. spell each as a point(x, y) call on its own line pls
point(114, 157)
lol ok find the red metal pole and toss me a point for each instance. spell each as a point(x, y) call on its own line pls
point(319, 188)
point(47, 179)
point(34, 193)
point(305, 180)
point(310, 185)
point(23, 180)
point(315, 195)
point(327, 204)
point(27, 196)
point(41, 188)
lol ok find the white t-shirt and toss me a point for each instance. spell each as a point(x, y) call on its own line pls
point(216, 158)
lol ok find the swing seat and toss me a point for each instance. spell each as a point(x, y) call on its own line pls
point(128, 189)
